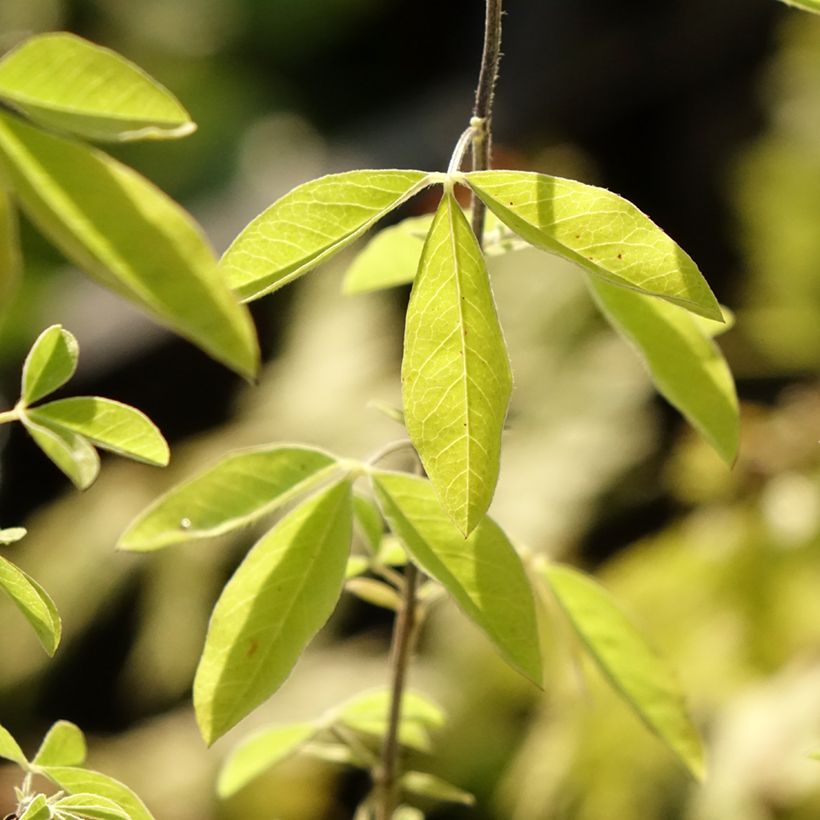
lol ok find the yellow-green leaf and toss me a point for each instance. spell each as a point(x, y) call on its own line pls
point(310, 224)
point(89, 807)
point(806, 5)
point(50, 363)
point(423, 784)
point(34, 602)
point(374, 592)
point(456, 379)
point(65, 82)
point(10, 750)
point(281, 595)
point(598, 230)
point(63, 745)
point(75, 780)
point(37, 809)
point(69, 451)
point(118, 227)
point(10, 258)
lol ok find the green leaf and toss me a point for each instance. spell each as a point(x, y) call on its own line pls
point(311, 223)
point(427, 785)
point(685, 364)
point(84, 781)
point(356, 565)
point(12, 534)
point(122, 230)
point(235, 491)
point(10, 750)
point(633, 668)
point(281, 595)
point(108, 424)
point(38, 809)
point(369, 520)
point(456, 379)
point(483, 573)
point(408, 813)
point(11, 263)
point(391, 552)
point(64, 745)
point(34, 602)
point(806, 5)
point(374, 592)
point(50, 363)
point(92, 806)
point(64, 82)
point(260, 752)
point(333, 753)
point(70, 452)
point(598, 230)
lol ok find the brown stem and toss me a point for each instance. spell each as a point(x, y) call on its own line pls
point(483, 109)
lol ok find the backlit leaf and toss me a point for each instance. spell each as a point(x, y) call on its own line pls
point(50, 363)
point(633, 668)
point(75, 780)
point(374, 592)
point(374, 705)
point(64, 745)
point(38, 809)
point(92, 806)
point(685, 364)
point(259, 752)
point(806, 5)
point(34, 602)
point(483, 573)
point(70, 452)
point(118, 227)
point(281, 595)
point(10, 259)
point(238, 489)
point(356, 565)
point(10, 750)
point(598, 230)
point(12, 534)
point(456, 379)
point(311, 223)
point(108, 424)
point(369, 521)
point(408, 813)
point(428, 785)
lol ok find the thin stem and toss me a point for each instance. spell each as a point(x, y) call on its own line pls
point(389, 449)
point(386, 777)
point(461, 148)
point(483, 109)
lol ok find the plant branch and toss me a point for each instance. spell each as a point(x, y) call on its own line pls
point(483, 109)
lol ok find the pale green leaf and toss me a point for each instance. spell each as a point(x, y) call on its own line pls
point(423, 784)
point(237, 490)
point(369, 520)
point(37, 809)
point(391, 552)
point(70, 452)
point(64, 82)
point(598, 230)
point(685, 364)
point(456, 379)
point(408, 813)
point(12, 534)
point(50, 363)
point(75, 780)
point(630, 664)
point(260, 752)
point(281, 595)
point(374, 705)
point(393, 413)
point(118, 227)
point(311, 223)
point(11, 263)
point(333, 753)
point(34, 602)
point(108, 424)
point(483, 573)
point(10, 750)
point(356, 565)
point(64, 745)
point(92, 806)
point(374, 592)
point(806, 5)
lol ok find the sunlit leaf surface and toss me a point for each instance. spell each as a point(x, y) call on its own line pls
point(50, 363)
point(34, 602)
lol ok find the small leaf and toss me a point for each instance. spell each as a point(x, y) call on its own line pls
point(12, 534)
point(127, 234)
point(356, 565)
point(281, 595)
point(10, 750)
point(483, 573)
point(369, 520)
point(806, 5)
point(393, 413)
point(34, 602)
point(311, 223)
point(633, 668)
point(64, 745)
point(70, 452)
point(408, 813)
point(333, 753)
point(598, 230)
point(84, 781)
point(62, 81)
point(391, 552)
point(11, 263)
point(50, 363)
point(686, 365)
point(456, 379)
point(260, 752)
point(374, 592)
point(238, 489)
point(427, 785)
point(92, 806)
point(108, 424)
point(38, 809)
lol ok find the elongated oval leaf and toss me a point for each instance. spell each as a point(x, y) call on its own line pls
point(50, 363)
point(118, 227)
point(69, 451)
point(65, 82)
point(278, 599)
point(633, 668)
point(63, 745)
point(456, 379)
point(10, 750)
point(34, 602)
point(309, 224)
point(374, 592)
point(260, 752)
point(686, 366)
point(12, 534)
point(240, 488)
point(108, 424)
point(806, 5)
point(598, 230)
point(75, 780)
point(92, 806)
point(369, 520)
point(38, 809)
point(10, 258)
point(428, 785)
point(482, 573)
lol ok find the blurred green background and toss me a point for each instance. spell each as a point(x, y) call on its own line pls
point(706, 115)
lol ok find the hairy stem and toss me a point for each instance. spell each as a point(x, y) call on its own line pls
point(483, 108)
